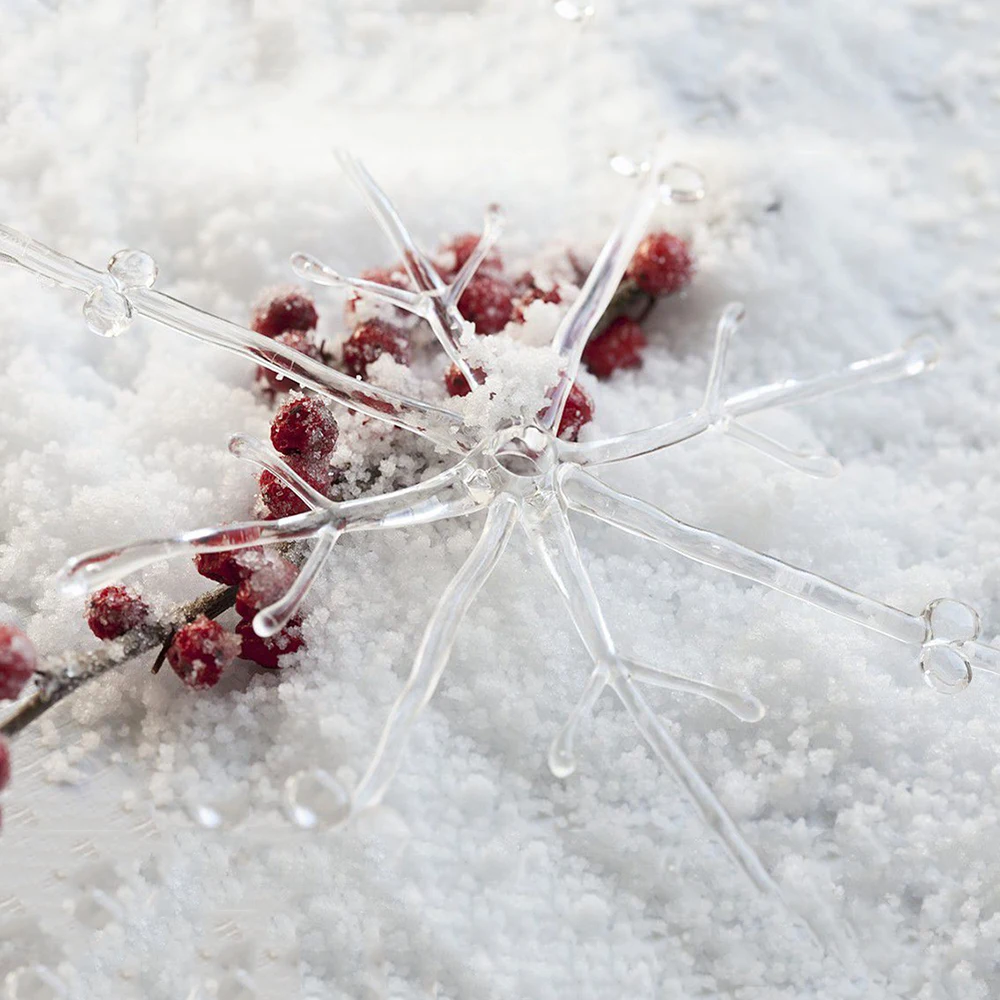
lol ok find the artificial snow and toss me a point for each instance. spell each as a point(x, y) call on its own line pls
point(851, 204)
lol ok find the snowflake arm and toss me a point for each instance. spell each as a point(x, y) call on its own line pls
point(602, 282)
point(435, 648)
point(911, 359)
point(115, 295)
point(553, 539)
point(435, 301)
point(442, 496)
point(744, 707)
point(253, 450)
point(946, 633)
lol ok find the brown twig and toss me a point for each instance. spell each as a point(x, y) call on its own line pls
point(62, 675)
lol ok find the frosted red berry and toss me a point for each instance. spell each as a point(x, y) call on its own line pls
point(200, 651)
point(265, 585)
point(4, 763)
point(579, 410)
point(661, 264)
point(265, 652)
point(488, 302)
point(18, 660)
point(299, 341)
point(281, 500)
point(619, 346)
point(370, 341)
point(114, 611)
point(456, 383)
point(282, 310)
point(233, 566)
point(528, 291)
point(304, 426)
point(453, 255)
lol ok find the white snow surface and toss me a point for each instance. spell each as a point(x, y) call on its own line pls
point(850, 154)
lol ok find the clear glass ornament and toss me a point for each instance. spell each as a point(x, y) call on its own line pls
point(523, 475)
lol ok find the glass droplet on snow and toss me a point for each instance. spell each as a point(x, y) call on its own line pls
point(562, 762)
point(315, 799)
point(945, 669)
point(222, 811)
point(682, 183)
point(133, 269)
point(107, 312)
point(952, 620)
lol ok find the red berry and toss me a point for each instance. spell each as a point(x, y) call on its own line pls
point(265, 652)
point(280, 310)
point(115, 610)
point(4, 763)
point(619, 346)
point(456, 383)
point(18, 660)
point(304, 425)
point(200, 651)
point(265, 585)
point(230, 567)
point(281, 500)
point(488, 302)
point(370, 341)
point(579, 410)
point(452, 256)
point(528, 292)
point(661, 264)
point(298, 341)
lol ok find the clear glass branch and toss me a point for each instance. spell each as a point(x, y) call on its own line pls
point(946, 633)
point(442, 496)
point(552, 536)
point(432, 655)
point(822, 466)
point(729, 322)
point(274, 617)
point(311, 268)
point(437, 303)
point(492, 230)
point(714, 407)
point(562, 755)
point(744, 707)
point(446, 495)
point(253, 450)
point(101, 567)
point(589, 495)
point(419, 267)
point(599, 288)
point(912, 359)
point(117, 301)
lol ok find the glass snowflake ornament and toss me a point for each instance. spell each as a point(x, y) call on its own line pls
point(516, 471)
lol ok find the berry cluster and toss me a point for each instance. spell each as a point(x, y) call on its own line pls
point(305, 433)
point(662, 265)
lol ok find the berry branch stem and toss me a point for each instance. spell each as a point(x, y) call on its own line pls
point(60, 676)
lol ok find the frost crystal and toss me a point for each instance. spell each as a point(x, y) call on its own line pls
point(519, 472)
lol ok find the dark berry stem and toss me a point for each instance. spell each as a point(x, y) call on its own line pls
point(60, 676)
point(629, 300)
